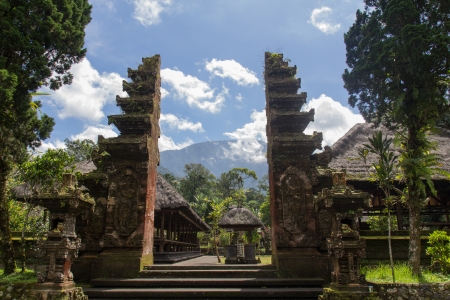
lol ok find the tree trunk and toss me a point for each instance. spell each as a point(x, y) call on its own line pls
point(414, 237)
point(413, 147)
point(6, 245)
point(23, 246)
point(215, 247)
point(390, 243)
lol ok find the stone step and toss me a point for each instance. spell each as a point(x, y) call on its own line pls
point(203, 293)
point(210, 267)
point(206, 282)
point(209, 273)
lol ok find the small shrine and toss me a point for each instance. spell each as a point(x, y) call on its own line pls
point(344, 205)
point(240, 219)
point(61, 246)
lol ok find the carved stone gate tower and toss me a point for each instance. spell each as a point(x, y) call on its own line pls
point(292, 174)
point(119, 233)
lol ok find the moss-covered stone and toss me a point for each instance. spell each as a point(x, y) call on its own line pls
point(331, 294)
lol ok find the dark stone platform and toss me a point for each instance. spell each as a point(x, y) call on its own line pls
point(173, 257)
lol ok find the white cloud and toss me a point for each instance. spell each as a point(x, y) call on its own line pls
point(239, 97)
point(108, 3)
point(331, 118)
point(250, 139)
point(233, 70)
point(147, 12)
point(319, 19)
point(87, 94)
point(197, 93)
point(50, 145)
point(180, 124)
point(166, 143)
point(92, 132)
point(164, 93)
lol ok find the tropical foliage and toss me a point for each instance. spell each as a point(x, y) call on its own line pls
point(40, 40)
point(399, 61)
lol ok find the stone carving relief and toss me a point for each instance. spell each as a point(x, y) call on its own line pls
point(126, 205)
point(293, 193)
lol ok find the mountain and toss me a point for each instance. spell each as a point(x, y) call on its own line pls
point(209, 154)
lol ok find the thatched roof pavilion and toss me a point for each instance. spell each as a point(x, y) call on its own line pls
point(168, 199)
point(240, 219)
point(345, 155)
point(346, 149)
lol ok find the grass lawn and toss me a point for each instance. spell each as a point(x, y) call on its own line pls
point(403, 274)
point(18, 277)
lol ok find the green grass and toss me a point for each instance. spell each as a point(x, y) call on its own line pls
point(17, 277)
point(403, 274)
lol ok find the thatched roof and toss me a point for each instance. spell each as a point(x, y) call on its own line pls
point(167, 198)
point(345, 150)
point(240, 218)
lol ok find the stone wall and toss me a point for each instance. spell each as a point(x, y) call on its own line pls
point(414, 291)
point(25, 291)
point(377, 245)
point(431, 291)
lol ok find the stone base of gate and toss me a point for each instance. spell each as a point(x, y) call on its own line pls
point(302, 263)
point(118, 263)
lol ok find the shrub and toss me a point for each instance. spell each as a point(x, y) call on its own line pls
point(381, 222)
point(439, 250)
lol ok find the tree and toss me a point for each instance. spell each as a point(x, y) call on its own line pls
point(384, 175)
point(233, 180)
point(198, 180)
point(42, 173)
point(80, 149)
point(37, 37)
point(399, 61)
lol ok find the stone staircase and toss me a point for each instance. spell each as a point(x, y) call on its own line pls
point(206, 282)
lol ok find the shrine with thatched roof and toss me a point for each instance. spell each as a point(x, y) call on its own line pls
point(240, 219)
point(345, 155)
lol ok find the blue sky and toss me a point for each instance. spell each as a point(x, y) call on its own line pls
point(212, 68)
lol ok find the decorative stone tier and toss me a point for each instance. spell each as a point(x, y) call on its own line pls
point(291, 121)
point(291, 102)
point(139, 104)
point(132, 123)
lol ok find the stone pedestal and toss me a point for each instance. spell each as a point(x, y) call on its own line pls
point(62, 243)
point(231, 255)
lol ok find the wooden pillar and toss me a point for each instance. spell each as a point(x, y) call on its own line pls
point(169, 232)
point(190, 237)
point(161, 233)
point(178, 233)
